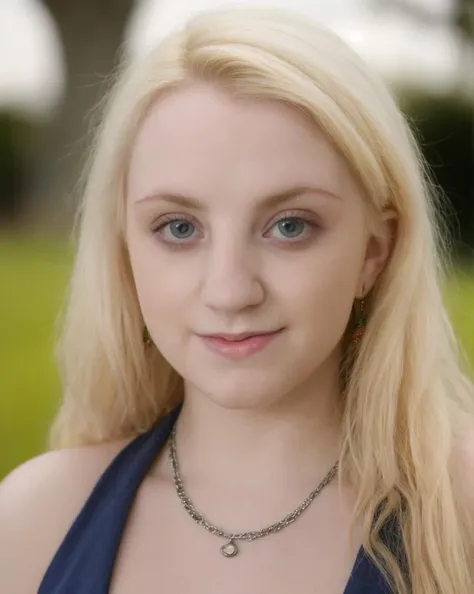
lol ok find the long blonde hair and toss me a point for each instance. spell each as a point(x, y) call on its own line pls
point(406, 389)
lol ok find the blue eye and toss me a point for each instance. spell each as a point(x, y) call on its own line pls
point(177, 230)
point(291, 228)
point(181, 229)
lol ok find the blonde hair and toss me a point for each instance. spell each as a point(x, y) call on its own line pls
point(406, 389)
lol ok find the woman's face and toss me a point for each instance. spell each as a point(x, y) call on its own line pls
point(248, 242)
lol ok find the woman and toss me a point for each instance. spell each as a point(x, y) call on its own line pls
point(261, 388)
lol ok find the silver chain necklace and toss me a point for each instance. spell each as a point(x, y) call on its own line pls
point(229, 549)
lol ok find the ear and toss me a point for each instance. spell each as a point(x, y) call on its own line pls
point(379, 248)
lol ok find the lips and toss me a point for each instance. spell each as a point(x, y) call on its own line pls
point(241, 345)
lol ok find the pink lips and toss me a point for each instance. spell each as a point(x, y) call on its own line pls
point(238, 346)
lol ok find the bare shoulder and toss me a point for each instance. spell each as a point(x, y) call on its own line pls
point(39, 500)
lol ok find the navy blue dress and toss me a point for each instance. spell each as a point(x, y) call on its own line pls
point(85, 560)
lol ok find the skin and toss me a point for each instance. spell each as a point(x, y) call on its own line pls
point(256, 434)
point(212, 250)
point(235, 270)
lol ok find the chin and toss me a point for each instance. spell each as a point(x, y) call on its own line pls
point(244, 393)
point(239, 402)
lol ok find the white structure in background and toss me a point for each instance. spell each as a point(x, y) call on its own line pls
point(31, 67)
point(32, 74)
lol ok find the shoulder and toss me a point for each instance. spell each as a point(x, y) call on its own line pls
point(38, 503)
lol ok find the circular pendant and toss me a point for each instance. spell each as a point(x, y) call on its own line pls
point(229, 549)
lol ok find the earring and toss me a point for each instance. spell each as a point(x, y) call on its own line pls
point(147, 341)
point(360, 324)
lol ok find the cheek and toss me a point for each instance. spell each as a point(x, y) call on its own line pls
point(332, 267)
point(321, 285)
point(162, 285)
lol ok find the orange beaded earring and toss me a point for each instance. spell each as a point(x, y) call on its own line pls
point(360, 323)
point(147, 341)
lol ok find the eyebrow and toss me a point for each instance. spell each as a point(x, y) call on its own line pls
point(267, 201)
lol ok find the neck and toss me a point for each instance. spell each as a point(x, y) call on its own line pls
point(293, 442)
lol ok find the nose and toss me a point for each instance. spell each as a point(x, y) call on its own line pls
point(231, 281)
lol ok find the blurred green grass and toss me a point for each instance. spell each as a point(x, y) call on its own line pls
point(459, 298)
point(33, 276)
point(34, 271)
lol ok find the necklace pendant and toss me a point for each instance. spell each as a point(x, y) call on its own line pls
point(229, 549)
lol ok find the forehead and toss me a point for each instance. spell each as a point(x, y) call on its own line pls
point(202, 141)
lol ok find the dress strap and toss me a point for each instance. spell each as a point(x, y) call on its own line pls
point(85, 560)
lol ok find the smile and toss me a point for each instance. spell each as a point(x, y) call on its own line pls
point(238, 346)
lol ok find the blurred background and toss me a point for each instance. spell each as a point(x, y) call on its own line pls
point(55, 56)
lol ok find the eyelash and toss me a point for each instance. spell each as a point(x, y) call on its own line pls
point(309, 219)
